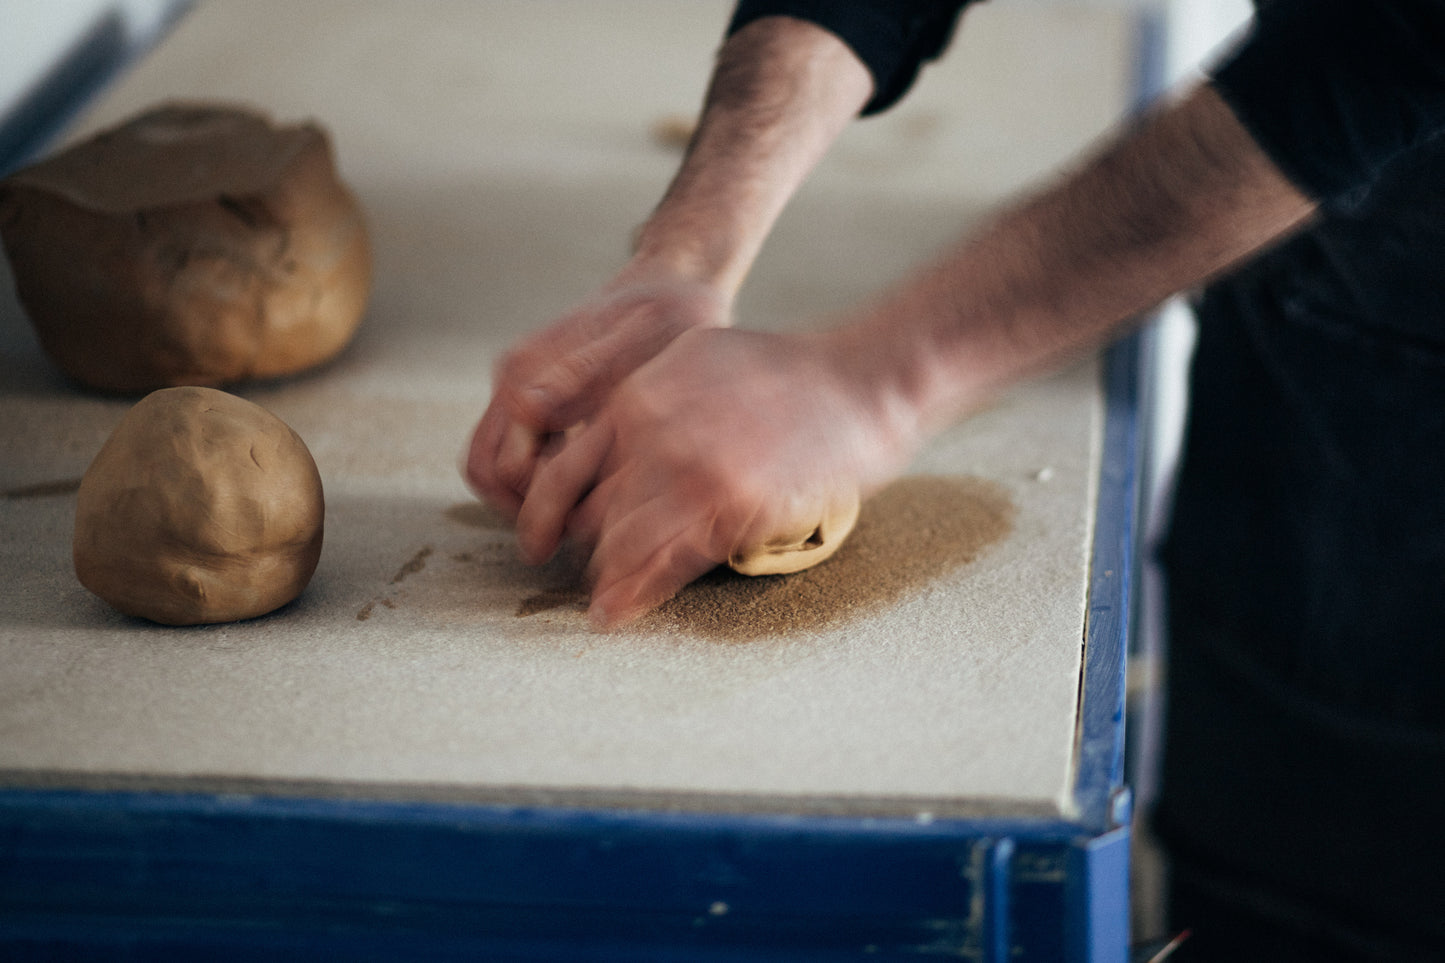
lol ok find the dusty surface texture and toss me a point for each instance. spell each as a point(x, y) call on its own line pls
point(195, 243)
point(201, 507)
point(504, 152)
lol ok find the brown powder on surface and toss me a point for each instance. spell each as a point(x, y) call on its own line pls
point(914, 532)
point(478, 515)
point(365, 612)
point(414, 565)
point(908, 535)
point(553, 598)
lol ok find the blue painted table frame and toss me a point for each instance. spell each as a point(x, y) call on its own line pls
point(117, 875)
point(140, 875)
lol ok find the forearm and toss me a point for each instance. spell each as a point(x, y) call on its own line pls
point(1175, 201)
point(782, 91)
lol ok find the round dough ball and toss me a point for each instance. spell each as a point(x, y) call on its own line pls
point(803, 545)
point(200, 507)
point(192, 245)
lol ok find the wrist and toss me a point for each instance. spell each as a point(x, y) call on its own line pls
point(782, 91)
point(693, 251)
point(699, 297)
point(903, 352)
point(882, 382)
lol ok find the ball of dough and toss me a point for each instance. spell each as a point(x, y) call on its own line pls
point(200, 507)
point(802, 545)
point(194, 244)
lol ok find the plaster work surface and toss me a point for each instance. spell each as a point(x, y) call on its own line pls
point(503, 152)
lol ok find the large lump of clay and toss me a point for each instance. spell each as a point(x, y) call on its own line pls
point(200, 507)
point(194, 244)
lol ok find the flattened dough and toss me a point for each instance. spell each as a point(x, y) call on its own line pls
point(802, 546)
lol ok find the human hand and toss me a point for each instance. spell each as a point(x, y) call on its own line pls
point(560, 375)
point(724, 439)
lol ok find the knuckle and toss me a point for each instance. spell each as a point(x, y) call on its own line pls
point(576, 371)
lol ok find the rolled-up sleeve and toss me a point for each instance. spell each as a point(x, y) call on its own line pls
point(893, 38)
point(1333, 90)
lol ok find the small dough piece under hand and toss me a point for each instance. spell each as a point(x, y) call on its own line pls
point(200, 507)
point(802, 546)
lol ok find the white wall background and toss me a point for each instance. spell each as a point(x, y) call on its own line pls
point(35, 35)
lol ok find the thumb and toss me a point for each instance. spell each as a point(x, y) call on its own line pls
point(553, 394)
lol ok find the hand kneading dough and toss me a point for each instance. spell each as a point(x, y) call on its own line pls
point(801, 547)
point(194, 244)
point(200, 507)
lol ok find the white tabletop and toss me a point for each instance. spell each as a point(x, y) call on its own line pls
point(503, 152)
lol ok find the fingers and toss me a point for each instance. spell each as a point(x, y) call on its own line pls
point(552, 386)
point(499, 461)
point(529, 406)
point(558, 485)
point(517, 456)
point(562, 374)
point(539, 394)
point(479, 463)
point(648, 556)
point(584, 525)
point(642, 558)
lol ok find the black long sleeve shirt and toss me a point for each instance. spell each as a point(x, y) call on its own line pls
point(1305, 746)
